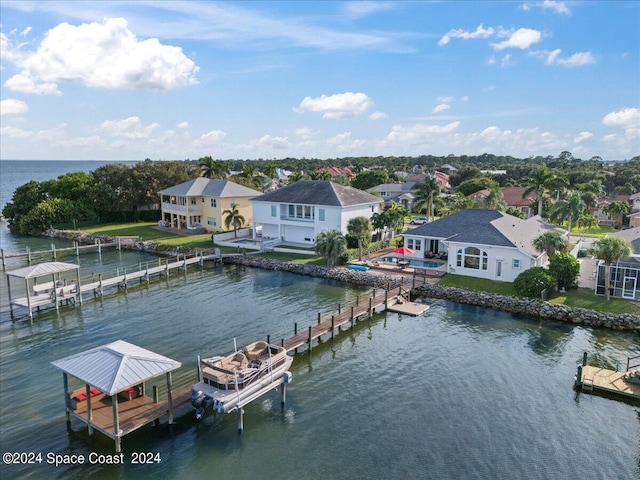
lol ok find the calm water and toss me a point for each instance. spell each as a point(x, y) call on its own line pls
point(460, 392)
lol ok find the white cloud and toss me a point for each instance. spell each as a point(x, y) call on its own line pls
point(343, 142)
point(130, 128)
point(363, 8)
point(13, 132)
point(337, 106)
point(522, 38)
point(273, 142)
point(441, 108)
point(377, 115)
point(184, 124)
point(108, 55)
point(211, 137)
point(557, 7)
point(506, 60)
point(479, 32)
point(582, 136)
point(445, 99)
point(11, 106)
point(464, 99)
point(419, 132)
point(628, 119)
point(305, 132)
point(575, 60)
point(24, 84)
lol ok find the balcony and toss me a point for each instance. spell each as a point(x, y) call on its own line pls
point(172, 207)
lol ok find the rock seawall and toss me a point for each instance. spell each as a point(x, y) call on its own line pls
point(535, 308)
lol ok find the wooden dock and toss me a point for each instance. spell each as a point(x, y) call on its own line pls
point(595, 379)
point(53, 253)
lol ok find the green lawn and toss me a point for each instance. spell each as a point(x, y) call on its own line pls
point(142, 230)
point(292, 257)
point(491, 286)
point(572, 298)
point(582, 299)
point(596, 232)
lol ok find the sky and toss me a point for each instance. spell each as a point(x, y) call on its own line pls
point(129, 80)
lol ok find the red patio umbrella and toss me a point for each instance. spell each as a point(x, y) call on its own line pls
point(403, 251)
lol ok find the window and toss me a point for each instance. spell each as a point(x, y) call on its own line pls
point(193, 200)
point(472, 257)
point(213, 202)
point(211, 221)
point(321, 214)
point(302, 212)
point(273, 210)
point(516, 263)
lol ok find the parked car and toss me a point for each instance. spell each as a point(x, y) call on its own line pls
point(419, 221)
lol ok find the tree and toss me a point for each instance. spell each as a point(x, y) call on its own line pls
point(211, 168)
point(270, 170)
point(494, 201)
point(617, 210)
point(539, 181)
point(476, 184)
point(610, 250)
point(532, 282)
point(587, 221)
point(565, 268)
point(369, 179)
point(569, 209)
point(424, 195)
point(550, 242)
point(360, 227)
point(295, 177)
point(234, 218)
point(396, 217)
point(330, 245)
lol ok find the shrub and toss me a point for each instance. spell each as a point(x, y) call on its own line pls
point(566, 270)
point(532, 282)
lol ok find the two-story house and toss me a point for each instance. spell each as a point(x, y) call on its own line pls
point(298, 212)
point(202, 201)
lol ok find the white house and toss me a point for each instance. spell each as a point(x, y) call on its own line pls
point(480, 243)
point(298, 212)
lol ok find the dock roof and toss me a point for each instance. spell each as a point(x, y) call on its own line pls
point(42, 269)
point(116, 366)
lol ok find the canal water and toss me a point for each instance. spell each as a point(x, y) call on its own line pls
point(459, 392)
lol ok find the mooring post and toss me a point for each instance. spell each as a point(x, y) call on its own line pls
point(282, 342)
point(240, 419)
point(65, 384)
point(118, 243)
point(319, 318)
point(578, 382)
point(155, 400)
point(310, 346)
point(339, 309)
point(169, 398)
point(269, 339)
point(352, 322)
point(2, 253)
point(283, 389)
point(89, 412)
point(53, 250)
point(386, 298)
point(77, 245)
point(584, 359)
point(370, 308)
point(295, 328)
point(332, 326)
point(101, 288)
point(29, 255)
point(357, 300)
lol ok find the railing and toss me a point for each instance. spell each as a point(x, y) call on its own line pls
point(297, 219)
point(173, 207)
point(629, 362)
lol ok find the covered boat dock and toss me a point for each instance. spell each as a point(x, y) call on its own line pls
point(113, 399)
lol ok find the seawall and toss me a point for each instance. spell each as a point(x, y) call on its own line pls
point(531, 307)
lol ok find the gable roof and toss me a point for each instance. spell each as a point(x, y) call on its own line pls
point(116, 366)
point(632, 235)
point(42, 269)
point(318, 192)
point(393, 187)
point(486, 227)
point(208, 187)
point(513, 196)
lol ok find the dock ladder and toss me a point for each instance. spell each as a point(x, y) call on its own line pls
point(587, 384)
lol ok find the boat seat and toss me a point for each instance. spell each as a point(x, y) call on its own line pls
point(239, 360)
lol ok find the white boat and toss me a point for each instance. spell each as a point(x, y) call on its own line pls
point(233, 381)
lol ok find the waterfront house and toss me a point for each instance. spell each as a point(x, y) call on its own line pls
point(625, 274)
point(480, 243)
point(201, 201)
point(298, 212)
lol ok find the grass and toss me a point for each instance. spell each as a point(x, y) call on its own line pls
point(480, 284)
point(595, 232)
point(142, 230)
point(572, 298)
point(584, 299)
point(292, 257)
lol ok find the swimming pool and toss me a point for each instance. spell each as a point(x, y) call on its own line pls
point(415, 263)
point(246, 241)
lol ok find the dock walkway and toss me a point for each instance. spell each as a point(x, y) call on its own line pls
point(608, 381)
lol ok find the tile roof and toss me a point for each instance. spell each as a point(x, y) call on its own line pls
point(207, 187)
point(513, 196)
point(318, 192)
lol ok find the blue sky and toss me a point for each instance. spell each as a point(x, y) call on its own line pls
point(174, 80)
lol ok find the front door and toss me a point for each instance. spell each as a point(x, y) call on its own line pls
point(498, 269)
point(629, 287)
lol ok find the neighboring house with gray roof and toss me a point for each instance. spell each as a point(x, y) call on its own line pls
point(298, 212)
point(480, 243)
point(625, 274)
point(201, 201)
point(396, 192)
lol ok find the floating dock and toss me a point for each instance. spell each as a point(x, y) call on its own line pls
point(617, 384)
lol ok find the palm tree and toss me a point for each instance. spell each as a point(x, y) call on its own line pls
point(424, 194)
point(550, 242)
point(330, 245)
point(379, 222)
point(617, 210)
point(587, 221)
point(396, 216)
point(211, 168)
point(295, 177)
point(234, 218)
point(539, 182)
point(360, 227)
point(270, 170)
point(569, 209)
point(495, 200)
point(609, 250)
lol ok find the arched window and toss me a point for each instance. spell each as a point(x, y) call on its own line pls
point(472, 257)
